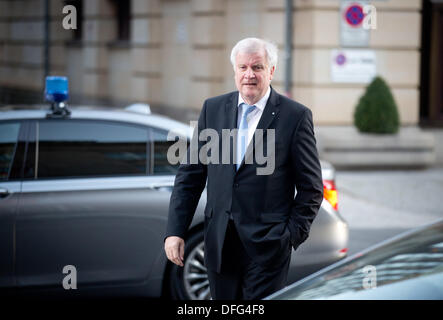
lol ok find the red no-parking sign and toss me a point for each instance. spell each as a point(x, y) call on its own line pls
point(352, 33)
point(354, 15)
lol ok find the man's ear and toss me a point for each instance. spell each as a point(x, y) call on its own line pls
point(272, 72)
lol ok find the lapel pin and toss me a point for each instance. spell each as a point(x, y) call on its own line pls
point(273, 113)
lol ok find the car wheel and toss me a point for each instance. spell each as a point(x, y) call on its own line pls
point(190, 282)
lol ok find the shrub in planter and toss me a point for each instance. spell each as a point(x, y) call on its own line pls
point(376, 111)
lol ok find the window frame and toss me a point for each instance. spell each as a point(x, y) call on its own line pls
point(19, 154)
point(34, 134)
point(77, 34)
point(123, 16)
point(152, 146)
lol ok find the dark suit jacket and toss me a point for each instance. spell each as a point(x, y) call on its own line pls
point(268, 218)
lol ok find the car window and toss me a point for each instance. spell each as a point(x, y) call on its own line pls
point(415, 256)
point(161, 165)
point(8, 143)
point(73, 148)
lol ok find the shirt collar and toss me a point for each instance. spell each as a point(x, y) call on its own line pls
point(261, 104)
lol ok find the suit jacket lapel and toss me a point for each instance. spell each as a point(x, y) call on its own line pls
point(270, 112)
point(231, 111)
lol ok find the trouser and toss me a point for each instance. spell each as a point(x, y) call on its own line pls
point(242, 279)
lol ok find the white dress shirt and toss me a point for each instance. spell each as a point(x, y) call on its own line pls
point(254, 117)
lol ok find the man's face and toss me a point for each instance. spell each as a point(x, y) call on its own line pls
point(252, 75)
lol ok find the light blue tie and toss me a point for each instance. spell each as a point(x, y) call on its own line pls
point(243, 133)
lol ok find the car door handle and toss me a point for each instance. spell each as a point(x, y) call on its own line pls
point(161, 186)
point(4, 193)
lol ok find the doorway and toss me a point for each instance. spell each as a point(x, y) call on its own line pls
point(431, 91)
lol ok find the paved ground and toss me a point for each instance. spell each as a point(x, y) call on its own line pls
point(381, 204)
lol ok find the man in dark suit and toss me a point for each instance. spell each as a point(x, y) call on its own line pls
point(252, 221)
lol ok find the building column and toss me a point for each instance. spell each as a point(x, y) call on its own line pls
point(208, 45)
point(146, 51)
point(99, 29)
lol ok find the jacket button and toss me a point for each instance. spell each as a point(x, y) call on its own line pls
point(235, 185)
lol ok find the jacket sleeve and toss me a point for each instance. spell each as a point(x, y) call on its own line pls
point(308, 180)
point(188, 186)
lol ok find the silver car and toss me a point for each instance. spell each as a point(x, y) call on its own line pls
point(89, 192)
point(408, 266)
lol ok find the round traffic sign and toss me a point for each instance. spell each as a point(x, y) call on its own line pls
point(354, 15)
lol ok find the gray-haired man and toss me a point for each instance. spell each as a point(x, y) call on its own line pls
point(252, 221)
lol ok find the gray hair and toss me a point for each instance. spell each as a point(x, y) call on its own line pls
point(253, 45)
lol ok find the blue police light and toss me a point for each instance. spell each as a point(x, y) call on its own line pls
point(56, 92)
point(56, 89)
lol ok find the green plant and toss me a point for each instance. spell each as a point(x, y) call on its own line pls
point(376, 111)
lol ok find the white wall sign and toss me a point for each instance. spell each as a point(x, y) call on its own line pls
point(353, 66)
point(352, 31)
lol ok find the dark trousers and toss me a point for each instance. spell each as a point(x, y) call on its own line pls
point(242, 279)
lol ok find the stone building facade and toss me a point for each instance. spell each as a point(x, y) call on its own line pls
point(175, 53)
